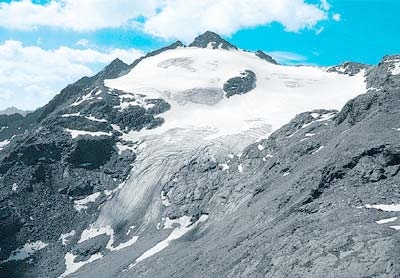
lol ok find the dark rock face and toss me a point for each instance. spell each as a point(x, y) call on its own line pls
point(241, 84)
point(382, 77)
point(265, 57)
point(91, 154)
point(156, 52)
point(213, 40)
point(349, 68)
point(13, 110)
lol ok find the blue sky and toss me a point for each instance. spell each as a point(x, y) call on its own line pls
point(46, 44)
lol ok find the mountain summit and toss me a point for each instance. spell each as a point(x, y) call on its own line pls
point(211, 40)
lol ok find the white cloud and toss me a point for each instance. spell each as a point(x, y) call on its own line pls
point(82, 42)
point(79, 15)
point(336, 17)
point(287, 58)
point(30, 76)
point(182, 19)
point(325, 5)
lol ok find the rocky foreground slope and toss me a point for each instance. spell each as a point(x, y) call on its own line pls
point(90, 187)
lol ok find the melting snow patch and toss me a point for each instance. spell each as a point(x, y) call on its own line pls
point(71, 115)
point(388, 220)
point(164, 199)
point(82, 203)
point(122, 147)
point(76, 133)
point(309, 134)
point(224, 166)
point(82, 99)
point(93, 119)
point(3, 144)
point(315, 115)
point(14, 187)
point(182, 221)
point(260, 147)
point(26, 251)
point(107, 230)
point(397, 129)
point(319, 149)
point(64, 237)
point(184, 226)
point(240, 168)
point(396, 69)
point(286, 174)
point(395, 227)
point(72, 267)
point(392, 207)
point(130, 229)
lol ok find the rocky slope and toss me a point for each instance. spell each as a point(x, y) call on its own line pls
point(109, 181)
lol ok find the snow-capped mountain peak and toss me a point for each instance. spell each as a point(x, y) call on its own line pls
point(212, 40)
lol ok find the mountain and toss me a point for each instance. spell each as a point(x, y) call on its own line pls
point(207, 161)
point(13, 110)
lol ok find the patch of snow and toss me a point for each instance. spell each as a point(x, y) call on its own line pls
point(164, 199)
point(260, 147)
point(82, 203)
point(388, 220)
point(4, 143)
point(240, 168)
point(82, 99)
point(391, 207)
point(397, 129)
point(224, 166)
point(64, 237)
point(26, 251)
point(319, 149)
point(184, 226)
point(93, 232)
point(315, 115)
point(76, 133)
point(396, 69)
point(130, 229)
point(309, 134)
point(395, 227)
point(122, 147)
point(116, 128)
point(71, 115)
point(94, 119)
point(286, 174)
point(3, 128)
point(72, 267)
point(182, 221)
point(14, 187)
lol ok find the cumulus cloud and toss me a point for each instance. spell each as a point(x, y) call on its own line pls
point(30, 76)
point(228, 16)
point(78, 15)
point(181, 19)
